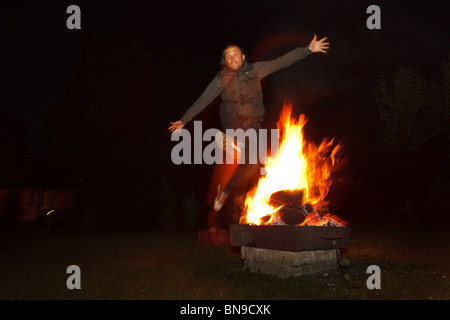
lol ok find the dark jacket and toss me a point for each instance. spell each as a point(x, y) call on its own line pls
point(241, 92)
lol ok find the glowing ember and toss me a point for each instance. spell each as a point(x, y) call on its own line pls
point(300, 166)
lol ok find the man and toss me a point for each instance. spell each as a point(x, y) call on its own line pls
point(242, 107)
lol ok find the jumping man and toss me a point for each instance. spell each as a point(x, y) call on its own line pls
point(242, 107)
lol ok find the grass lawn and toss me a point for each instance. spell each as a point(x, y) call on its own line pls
point(414, 263)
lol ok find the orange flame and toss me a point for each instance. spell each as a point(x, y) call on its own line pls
point(298, 165)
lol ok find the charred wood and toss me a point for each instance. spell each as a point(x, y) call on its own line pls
point(289, 198)
point(291, 216)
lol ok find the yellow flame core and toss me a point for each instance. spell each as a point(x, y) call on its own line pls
point(297, 166)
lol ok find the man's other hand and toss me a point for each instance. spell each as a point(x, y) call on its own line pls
point(176, 125)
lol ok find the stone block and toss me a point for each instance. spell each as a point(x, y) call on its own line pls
point(286, 264)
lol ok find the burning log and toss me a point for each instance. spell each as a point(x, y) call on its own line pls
point(289, 198)
point(294, 213)
point(291, 216)
point(291, 212)
point(321, 210)
point(265, 219)
point(307, 209)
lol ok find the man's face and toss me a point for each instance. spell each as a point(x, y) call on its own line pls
point(234, 58)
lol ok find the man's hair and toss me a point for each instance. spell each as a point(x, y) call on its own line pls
point(222, 58)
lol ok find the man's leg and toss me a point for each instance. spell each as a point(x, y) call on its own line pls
point(243, 174)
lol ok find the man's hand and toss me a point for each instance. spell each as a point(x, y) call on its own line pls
point(319, 45)
point(176, 125)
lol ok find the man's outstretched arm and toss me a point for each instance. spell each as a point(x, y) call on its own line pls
point(211, 92)
point(268, 67)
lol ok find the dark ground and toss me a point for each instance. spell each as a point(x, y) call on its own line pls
point(131, 265)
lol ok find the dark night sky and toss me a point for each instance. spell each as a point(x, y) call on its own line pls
point(187, 38)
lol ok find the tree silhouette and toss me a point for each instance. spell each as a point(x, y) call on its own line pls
point(413, 110)
point(415, 135)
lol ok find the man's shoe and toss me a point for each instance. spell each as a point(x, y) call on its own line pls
point(220, 199)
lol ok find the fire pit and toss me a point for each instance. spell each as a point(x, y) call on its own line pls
point(286, 229)
point(289, 251)
point(290, 238)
